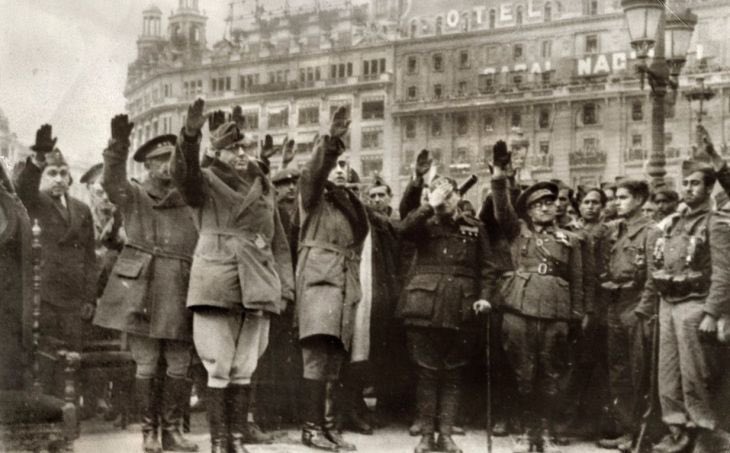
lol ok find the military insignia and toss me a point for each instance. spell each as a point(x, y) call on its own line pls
point(562, 237)
point(469, 230)
point(260, 243)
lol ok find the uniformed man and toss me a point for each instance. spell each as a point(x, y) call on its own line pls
point(452, 279)
point(630, 309)
point(241, 272)
point(68, 269)
point(543, 298)
point(333, 228)
point(689, 271)
point(145, 295)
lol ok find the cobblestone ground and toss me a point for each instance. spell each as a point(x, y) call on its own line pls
point(97, 437)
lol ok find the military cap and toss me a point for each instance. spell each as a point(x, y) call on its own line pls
point(226, 135)
point(92, 174)
point(537, 191)
point(692, 166)
point(285, 175)
point(55, 158)
point(158, 146)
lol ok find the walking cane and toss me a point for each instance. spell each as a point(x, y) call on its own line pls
point(489, 384)
point(652, 385)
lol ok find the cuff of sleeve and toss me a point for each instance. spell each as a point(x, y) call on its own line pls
point(192, 140)
point(712, 311)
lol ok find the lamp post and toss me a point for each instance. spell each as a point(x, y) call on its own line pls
point(652, 25)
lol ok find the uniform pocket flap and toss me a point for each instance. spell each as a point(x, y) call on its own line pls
point(423, 282)
point(129, 268)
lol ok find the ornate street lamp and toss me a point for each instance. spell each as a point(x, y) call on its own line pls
point(652, 26)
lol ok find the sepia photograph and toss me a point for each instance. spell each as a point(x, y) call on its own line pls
point(375, 226)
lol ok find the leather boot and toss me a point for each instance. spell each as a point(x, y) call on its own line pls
point(355, 409)
point(238, 397)
point(174, 396)
point(330, 419)
point(313, 412)
point(144, 392)
point(426, 444)
point(215, 404)
point(448, 410)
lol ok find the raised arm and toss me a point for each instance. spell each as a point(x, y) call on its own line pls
point(324, 158)
point(185, 161)
point(411, 199)
point(114, 179)
point(504, 211)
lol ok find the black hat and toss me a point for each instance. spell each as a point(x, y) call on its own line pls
point(92, 174)
point(285, 175)
point(158, 146)
point(533, 193)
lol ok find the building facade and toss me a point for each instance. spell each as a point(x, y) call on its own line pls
point(452, 77)
point(469, 73)
point(288, 70)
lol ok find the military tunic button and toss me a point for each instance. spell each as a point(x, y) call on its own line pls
point(538, 242)
point(445, 251)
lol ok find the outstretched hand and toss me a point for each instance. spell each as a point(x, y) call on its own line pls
point(423, 163)
point(121, 129)
point(288, 152)
point(196, 118)
point(267, 147)
point(438, 195)
point(340, 123)
point(44, 142)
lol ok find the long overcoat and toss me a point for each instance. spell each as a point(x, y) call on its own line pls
point(68, 266)
point(242, 257)
point(334, 227)
point(147, 287)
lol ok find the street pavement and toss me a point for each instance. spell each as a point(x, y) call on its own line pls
point(97, 437)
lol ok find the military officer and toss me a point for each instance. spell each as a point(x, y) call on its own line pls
point(543, 297)
point(452, 278)
point(630, 308)
point(145, 295)
point(241, 272)
point(334, 225)
point(689, 271)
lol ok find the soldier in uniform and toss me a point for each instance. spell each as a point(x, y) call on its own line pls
point(333, 228)
point(68, 269)
point(145, 295)
point(666, 201)
point(241, 272)
point(543, 297)
point(452, 278)
point(689, 271)
point(629, 310)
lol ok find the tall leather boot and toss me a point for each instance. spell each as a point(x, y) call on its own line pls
point(238, 398)
point(330, 419)
point(215, 404)
point(448, 410)
point(313, 415)
point(144, 393)
point(426, 401)
point(174, 396)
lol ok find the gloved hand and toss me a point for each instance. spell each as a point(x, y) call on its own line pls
point(215, 120)
point(196, 118)
point(121, 129)
point(501, 156)
point(44, 142)
point(267, 147)
point(423, 163)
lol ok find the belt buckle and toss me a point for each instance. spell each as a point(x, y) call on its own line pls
point(542, 268)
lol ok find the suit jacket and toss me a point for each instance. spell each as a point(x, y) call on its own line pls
point(68, 265)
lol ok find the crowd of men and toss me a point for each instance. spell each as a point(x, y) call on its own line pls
point(301, 292)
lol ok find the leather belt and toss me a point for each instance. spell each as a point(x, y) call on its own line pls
point(349, 253)
point(463, 271)
point(159, 251)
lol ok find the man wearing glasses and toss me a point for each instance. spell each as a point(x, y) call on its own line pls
point(68, 271)
point(542, 297)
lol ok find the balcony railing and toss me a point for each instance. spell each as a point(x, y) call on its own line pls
point(591, 158)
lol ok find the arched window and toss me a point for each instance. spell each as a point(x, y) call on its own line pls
point(492, 18)
point(439, 25)
point(518, 15)
point(548, 14)
point(414, 28)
